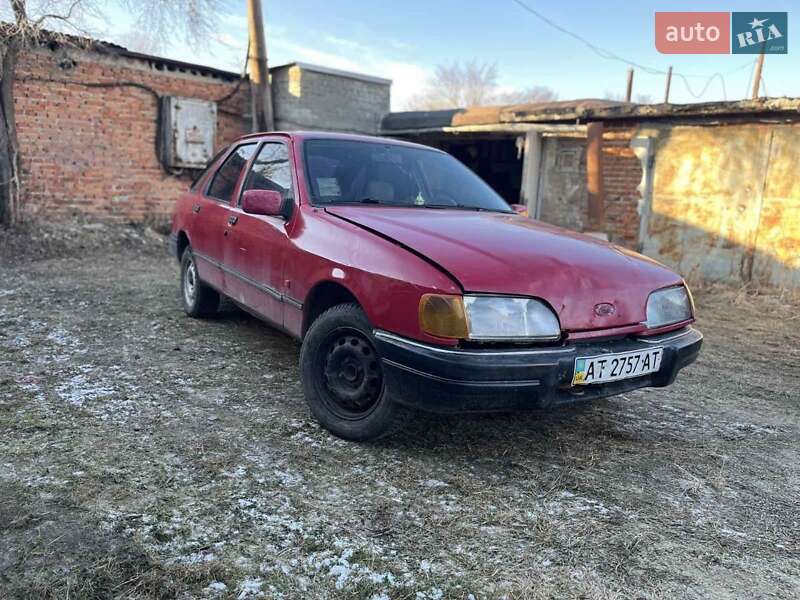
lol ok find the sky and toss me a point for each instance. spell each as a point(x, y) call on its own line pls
point(405, 40)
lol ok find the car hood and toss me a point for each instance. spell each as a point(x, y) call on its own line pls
point(509, 254)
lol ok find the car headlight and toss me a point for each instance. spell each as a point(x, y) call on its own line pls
point(488, 318)
point(668, 306)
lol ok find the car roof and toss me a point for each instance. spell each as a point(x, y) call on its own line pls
point(333, 135)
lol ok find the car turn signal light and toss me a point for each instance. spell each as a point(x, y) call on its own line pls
point(443, 316)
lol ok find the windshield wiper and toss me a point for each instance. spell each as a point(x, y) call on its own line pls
point(358, 201)
point(463, 207)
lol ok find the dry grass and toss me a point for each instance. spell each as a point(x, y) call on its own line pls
point(147, 455)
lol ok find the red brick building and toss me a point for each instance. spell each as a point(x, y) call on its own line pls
point(88, 128)
point(90, 120)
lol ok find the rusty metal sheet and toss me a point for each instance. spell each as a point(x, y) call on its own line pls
point(705, 201)
point(776, 258)
point(725, 204)
point(190, 127)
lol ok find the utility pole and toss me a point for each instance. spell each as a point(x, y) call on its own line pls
point(757, 76)
point(258, 69)
point(629, 90)
point(669, 82)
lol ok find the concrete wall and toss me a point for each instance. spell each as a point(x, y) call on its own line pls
point(562, 183)
point(305, 97)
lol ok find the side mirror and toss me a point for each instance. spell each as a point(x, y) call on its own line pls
point(520, 209)
point(263, 202)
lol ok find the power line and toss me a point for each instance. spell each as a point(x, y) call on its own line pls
point(609, 55)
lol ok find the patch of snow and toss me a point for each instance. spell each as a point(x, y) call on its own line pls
point(196, 558)
point(62, 337)
point(239, 472)
point(289, 479)
point(78, 389)
point(434, 483)
point(250, 588)
point(216, 587)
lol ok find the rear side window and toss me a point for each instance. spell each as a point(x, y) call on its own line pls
point(227, 175)
point(271, 170)
point(200, 175)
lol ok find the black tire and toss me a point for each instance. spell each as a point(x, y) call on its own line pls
point(199, 300)
point(343, 377)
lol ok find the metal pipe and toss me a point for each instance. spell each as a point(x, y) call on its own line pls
point(669, 82)
point(629, 90)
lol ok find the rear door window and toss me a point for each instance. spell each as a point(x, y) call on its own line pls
point(201, 175)
point(224, 182)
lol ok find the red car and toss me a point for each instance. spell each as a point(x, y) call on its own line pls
point(413, 285)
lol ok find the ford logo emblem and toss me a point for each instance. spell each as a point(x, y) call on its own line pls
point(604, 309)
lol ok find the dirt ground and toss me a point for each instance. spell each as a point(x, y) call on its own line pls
point(144, 454)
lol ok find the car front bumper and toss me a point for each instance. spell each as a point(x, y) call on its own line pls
point(448, 380)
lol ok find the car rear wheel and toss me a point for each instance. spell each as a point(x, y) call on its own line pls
point(343, 377)
point(199, 300)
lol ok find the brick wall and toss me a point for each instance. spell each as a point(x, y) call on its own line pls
point(565, 201)
point(622, 173)
point(92, 151)
point(308, 97)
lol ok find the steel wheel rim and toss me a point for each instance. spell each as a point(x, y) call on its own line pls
point(352, 378)
point(190, 282)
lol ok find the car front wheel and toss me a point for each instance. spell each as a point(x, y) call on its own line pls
point(343, 378)
point(199, 300)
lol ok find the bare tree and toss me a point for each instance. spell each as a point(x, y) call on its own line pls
point(537, 93)
point(33, 21)
point(471, 83)
point(456, 85)
point(141, 41)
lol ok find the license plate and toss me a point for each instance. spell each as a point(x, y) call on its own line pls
point(613, 367)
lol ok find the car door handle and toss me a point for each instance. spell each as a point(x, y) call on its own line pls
point(196, 208)
point(232, 220)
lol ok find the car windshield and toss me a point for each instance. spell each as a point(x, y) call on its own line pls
point(349, 172)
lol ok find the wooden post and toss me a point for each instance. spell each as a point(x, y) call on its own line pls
point(594, 176)
point(757, 75)
point(629, 91)
point(669, 82)
point(259, 70)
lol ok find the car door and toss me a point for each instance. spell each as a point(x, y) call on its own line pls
point(211, 212)
point(257, 245)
